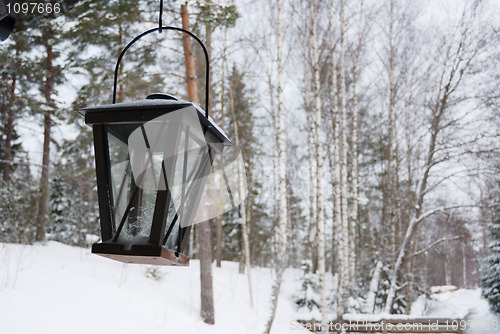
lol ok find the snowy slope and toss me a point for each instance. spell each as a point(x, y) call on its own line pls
point(62, 289)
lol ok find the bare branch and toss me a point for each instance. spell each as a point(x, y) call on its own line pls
point(434, 244)
point(444, 209)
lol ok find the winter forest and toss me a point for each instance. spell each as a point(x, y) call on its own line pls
point(370, 136)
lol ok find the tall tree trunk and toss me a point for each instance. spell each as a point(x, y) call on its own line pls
point(355, 152)
point(205, 253)
point(192, 245)
point(391, 170)
point(203, 229)
point(372, 292)
point(335, 160)
point(343, 187)
point(121, 92)
point(421, 191)
point(243, 210)
point(220, 220)
point(319, 170)
point(41, 219)
point(218, 237)
point(312, 239)
point(464, 266)
point(446, 266)
point(9, 129)
point(281, 260)
point(189, 58)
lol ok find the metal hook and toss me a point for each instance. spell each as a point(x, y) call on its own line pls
point(161, 15)
point(207, 60)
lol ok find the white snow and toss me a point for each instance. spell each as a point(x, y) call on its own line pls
point(61, 289)
point(459, 304)
point(56, 288)
point(443, 289)
point(375, 317)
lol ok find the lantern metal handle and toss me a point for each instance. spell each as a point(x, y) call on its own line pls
point(160, 29)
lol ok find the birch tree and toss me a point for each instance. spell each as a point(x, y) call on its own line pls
point(455, 58)
point(303, 15)
point(335, 146)
point(362, 28)
point(343, 186)
point(281, 260)
point(319, 144)
point(243, 210)
point(393, 86)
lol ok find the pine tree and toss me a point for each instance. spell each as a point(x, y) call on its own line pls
point(18, 197)
point(106, 27)
point(490, 282)
point(48, 37)
point(19, 72)
point(73, 208)
point(15, 74)
point(307, 296)
point(240, 99)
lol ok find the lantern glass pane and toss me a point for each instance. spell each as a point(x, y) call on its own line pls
point(186, 160)
point(133, 204)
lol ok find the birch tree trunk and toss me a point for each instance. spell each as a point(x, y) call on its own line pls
point(421, 187)
point(220, 220)
point(391, 129)
point(313, 228)
point(355, 152)
point(372, 292)
point(281, 260)
point(336, 170)
point(320, 203)
point(243, 210)
point(202, 229)
point(343, 187)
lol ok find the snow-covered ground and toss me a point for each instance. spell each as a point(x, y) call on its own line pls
point(459, 304)
point(61, 289)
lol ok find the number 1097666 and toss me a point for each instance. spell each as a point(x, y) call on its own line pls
point(33, 8)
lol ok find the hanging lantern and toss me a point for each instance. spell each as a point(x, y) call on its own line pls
point(153, 161)
point(7, 21)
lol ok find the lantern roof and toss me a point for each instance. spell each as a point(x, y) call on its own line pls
point(142, 111)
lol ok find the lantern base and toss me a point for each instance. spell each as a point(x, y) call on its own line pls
point(141, 254)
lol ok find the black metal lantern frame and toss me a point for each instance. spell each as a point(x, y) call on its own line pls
point(153, 158)
point(7, 21)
